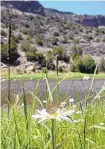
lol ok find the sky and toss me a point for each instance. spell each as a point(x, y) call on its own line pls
point(77, 7)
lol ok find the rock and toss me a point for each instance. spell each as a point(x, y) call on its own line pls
point(2, 80)
point(86, 78)
point(2, 65)
point(38, 67)
point(62, 66)
point(30, 68)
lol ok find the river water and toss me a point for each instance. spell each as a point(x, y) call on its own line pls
point(66, 88)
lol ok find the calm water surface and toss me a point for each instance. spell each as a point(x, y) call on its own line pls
point(66, 88)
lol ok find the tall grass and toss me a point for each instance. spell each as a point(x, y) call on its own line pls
point(19, 131)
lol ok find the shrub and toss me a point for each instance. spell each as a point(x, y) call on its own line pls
point(25, 45)
point(58, 50)
point(38, 41)
point(103, 39)
point(31, 17)
point(66, 26)
point(29, 38)
point(89, 38)
point(88, 65)
point(34, 55)
point(75, 67)
point(25, 31)
point(13, 51)
point(65, 40)
point(19, 37)
point(102, 65)
point(31, 53)
point(81, 30)
point(76, 41)
point(76, 50)
point(4, 51)
point(54, 41)
point(56, 34)
point(44, 70)
point(3, 33)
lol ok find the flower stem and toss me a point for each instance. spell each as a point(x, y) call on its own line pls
point(53, 134)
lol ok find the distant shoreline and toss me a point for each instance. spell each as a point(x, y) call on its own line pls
point(51, 75)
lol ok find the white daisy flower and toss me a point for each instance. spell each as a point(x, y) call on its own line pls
point(59, 115)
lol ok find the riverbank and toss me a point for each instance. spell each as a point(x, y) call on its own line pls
point(51, 74)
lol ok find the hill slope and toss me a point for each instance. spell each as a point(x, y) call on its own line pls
point(31, 19)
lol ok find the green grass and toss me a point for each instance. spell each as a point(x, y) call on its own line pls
point(15, 135)
point(52, 75)
point(19, 131)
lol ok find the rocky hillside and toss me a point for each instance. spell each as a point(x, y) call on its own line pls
point(25, 6)
point(31, 19)
point(36, 8)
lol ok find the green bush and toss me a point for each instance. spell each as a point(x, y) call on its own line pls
point(76, 41)
point(38, 41)
point(58, 50)
point(54, 41)
point(34, 55)
point(4, 51)
point(25, 45)
point(56, 34)
point(25, 31)
point(29, 38)
point(44, 70)
point(65, 40)
point(31, 53)
point(76, 50)
point(75, 67)
point(88, 65)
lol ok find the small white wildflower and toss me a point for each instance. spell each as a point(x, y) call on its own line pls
point(101, 124)
point(22, 105)
point(79, 120)
point(71, 100)
point(63, 103)
point(44, 101)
